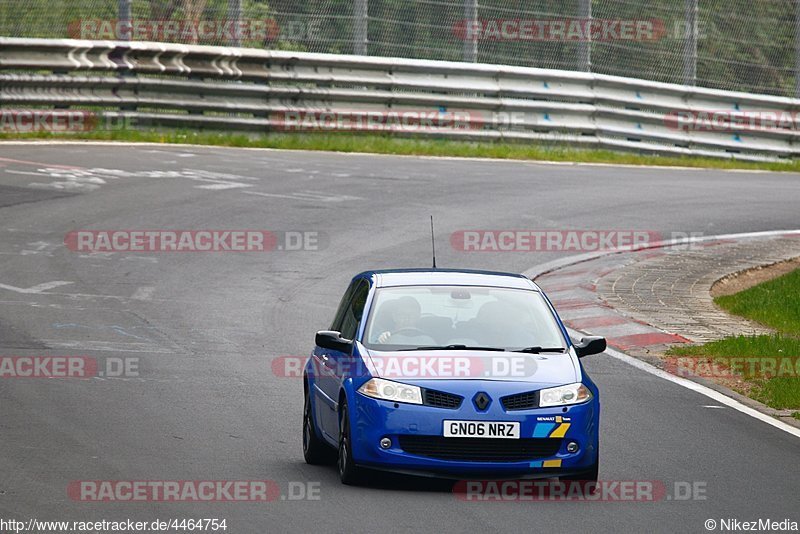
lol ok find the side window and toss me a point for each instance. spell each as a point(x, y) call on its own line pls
point(355, 310)
point(337, 320)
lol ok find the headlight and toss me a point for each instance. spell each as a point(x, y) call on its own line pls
point(378, 388)
point(564, 395)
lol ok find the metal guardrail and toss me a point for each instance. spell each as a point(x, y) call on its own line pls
point(219, 88)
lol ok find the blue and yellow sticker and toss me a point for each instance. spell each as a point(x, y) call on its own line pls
point(554, 426)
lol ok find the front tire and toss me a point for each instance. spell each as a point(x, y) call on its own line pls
point(349, 473)
point(315, 450)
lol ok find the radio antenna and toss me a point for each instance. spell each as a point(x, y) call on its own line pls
point(433, 244)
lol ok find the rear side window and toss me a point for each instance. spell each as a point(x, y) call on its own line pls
point(355, 311)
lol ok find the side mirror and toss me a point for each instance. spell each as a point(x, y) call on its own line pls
point(590, 345)
point(330, 339)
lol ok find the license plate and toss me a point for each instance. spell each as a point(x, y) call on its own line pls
point(481, 429)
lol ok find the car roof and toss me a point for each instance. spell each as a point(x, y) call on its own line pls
point(450, 277)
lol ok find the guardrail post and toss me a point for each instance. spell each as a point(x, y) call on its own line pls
point(470, 41)
point(360, 27)
point(235, 19)
point(585, 45)
point(125, 16)
point(690, 44)
point(797, 49)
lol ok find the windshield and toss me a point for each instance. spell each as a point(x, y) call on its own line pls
point(405, 318)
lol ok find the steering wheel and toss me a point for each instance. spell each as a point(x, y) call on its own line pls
point(410, 331)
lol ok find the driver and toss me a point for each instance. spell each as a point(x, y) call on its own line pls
point(405, 314)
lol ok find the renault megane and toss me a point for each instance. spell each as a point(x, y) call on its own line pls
point(450, 373)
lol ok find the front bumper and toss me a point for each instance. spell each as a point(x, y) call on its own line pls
point(372, 420)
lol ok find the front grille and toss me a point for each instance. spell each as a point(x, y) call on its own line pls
point(480, 449)
point(521, 401)
point(440, 399)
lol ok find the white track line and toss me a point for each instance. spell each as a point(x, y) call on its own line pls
point(359, 154)
point(653, 370)
point(703, 390)
point(543, 268)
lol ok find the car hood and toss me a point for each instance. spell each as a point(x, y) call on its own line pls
point(411, 366)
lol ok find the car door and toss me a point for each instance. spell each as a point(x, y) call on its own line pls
point(324, 406)
point(334, 364)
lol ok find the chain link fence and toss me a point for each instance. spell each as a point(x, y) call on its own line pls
point(742, 45)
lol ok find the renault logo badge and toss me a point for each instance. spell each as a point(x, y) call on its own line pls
point(481, 401)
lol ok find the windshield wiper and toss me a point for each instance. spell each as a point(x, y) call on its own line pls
point(537, 350)
point(458, 347)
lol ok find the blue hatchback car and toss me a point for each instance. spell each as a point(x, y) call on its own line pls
point(450, 373)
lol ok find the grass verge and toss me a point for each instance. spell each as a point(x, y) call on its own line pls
point(387, 144)
point(775, 303)
point(766, 367)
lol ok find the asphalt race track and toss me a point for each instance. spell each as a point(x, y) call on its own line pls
point(203, 329)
